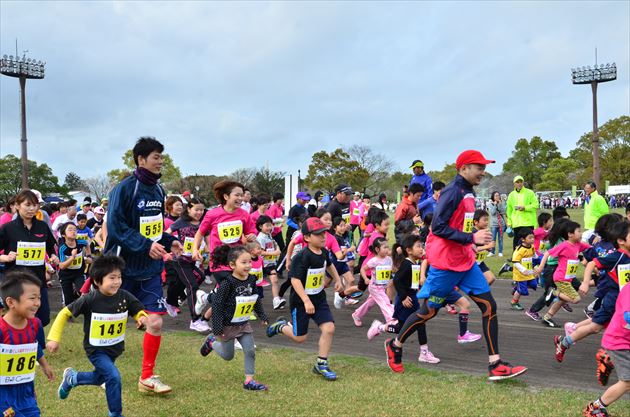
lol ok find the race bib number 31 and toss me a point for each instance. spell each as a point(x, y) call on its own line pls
point(230, 232)
point(623, 272)
point(30, 253)
point(572, 268)
point(314, 281)
point(152, 227)
point(107, 329)
point(17, 363)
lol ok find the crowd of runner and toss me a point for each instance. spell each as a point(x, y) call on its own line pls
point(145, 254)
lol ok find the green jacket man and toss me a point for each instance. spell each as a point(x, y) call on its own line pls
point(521, 206)
point(595, 206)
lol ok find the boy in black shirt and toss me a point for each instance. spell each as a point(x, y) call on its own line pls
point(105, 320)
point(308, 298)
point(73, 256)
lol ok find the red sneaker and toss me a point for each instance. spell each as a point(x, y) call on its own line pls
point(604, 366)
point(560, 349)
point(504, 370)
point(592, 410)
point(394, 357)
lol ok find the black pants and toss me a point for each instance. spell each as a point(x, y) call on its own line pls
point(174, 286)
point(280, 241)
point(548, 277)
point(70, 286)
point(191, 277)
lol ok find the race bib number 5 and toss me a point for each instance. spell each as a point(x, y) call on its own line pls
point(17, 363)
point(152, 227)
point(107, 329)
point(230, 232)
point(244, 308)
point(314, 281)
point(188, 246)
point(623, 272)
point(30, 253)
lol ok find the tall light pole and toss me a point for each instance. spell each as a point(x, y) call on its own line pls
point(22, 68)
point(594, 76)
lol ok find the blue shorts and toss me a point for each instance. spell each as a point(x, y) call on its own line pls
point(341, 267)
point(149, 292)
point(300, 318)
point(440, 284)
point(523, 286)
point(21, 398)
point(607, 308)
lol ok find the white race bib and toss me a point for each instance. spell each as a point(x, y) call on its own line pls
point(17, 363)
point(107, 329)
point(244, 308)
point(152, 227)
point(77, 261)
point(230, 232)
point(30, 253)
point(314, 281)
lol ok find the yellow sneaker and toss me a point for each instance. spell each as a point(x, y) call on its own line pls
point(153, 384)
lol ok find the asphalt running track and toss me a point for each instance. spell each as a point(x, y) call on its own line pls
point(521, 341)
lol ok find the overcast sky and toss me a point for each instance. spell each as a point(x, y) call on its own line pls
point(243, 84)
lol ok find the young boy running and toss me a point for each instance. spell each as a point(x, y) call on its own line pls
point(308, 298)
point(449, 249)
point(21, 345)
point(105, 314)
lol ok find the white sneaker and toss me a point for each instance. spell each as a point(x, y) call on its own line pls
point(338, 301)
point(202, 300)
point(350, 301)
point(427, 357)
point(279, 303)
point(199, 326)
point(171, 310)
point(208, 279)
point(500, 255)
point(237, 345)
point(374, 330)
point(490, 254)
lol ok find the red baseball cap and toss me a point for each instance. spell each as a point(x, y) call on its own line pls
point(313, 225)
point(472, 157)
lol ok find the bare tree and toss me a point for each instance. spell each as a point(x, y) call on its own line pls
point(377, 165)
point(244, 175)
point(99, 186)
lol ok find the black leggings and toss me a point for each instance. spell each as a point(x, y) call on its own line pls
point(284, 287)
point(191, 277)
point(488, 308)
point(548, 283)
point(421, 331)
point(70, 286)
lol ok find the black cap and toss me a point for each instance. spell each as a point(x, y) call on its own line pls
point(343, 188)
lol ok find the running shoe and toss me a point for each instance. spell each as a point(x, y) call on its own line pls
point(500, 255)
point(427, 357)
point(255, 386)
point(517, 306)
point(323, 370)
point(505, 268)
point(68, 381)
point(592, 410)
point(374, 330)
point(560, 348)
point(338, 301)
point(394, 357)
point(171, 310)
point(588, 313)
point(567, 308)
point(200, 326)
point(349, 301)
point(206, 348)
point(569, 328)
point(490, 254)
point(468, 337)
point(279, 303)
point(275, 328)
point(533, 315)
point(153, 384)
point(503, 370)
point(549, 322)
point(265, 283)
point(604, 366)
point(357, 321)
point(356, 294)
point(202, 300)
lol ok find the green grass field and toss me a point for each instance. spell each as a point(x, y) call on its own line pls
point(212, 387)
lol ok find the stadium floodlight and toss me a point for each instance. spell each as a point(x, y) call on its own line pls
point(22, 68)
point(598, 74)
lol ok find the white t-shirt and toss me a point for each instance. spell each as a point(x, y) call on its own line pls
point(61, 220)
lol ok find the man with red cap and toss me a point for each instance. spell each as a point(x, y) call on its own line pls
point(451, 255)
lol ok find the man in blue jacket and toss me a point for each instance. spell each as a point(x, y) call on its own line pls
point(135, 231)
point(422, 178)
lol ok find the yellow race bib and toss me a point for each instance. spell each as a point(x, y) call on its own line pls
point(258, 273)
point(107, 329)
point(188, 246)
point(623, 272)
point(383, 274)
point(244, 308)
point(152, 227)
point(415, 277)
point(572, 268)
point(17, 363)
point(230, 232)
point(468, 222)
point(83, 237)
point(481, 256)
point(527, 263)
point(314, 281)
point(30, 253)
point(77, 261)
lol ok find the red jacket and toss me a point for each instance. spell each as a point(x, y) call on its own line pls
point(406, 210)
